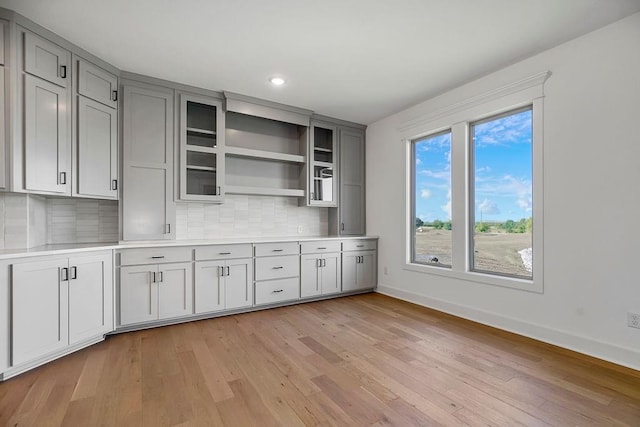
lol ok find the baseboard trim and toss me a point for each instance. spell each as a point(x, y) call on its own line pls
point(611, 353)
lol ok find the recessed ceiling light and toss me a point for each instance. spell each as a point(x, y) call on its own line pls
point(276, 81)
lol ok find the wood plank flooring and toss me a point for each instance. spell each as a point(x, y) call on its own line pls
point(363, 360)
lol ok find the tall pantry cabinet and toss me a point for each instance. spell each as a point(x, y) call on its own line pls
point(148, 209)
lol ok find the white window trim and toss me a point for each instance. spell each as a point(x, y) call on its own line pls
point(528, 91)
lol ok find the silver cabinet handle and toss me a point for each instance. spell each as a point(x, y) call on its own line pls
point(224, 253)
point(114, 95)
point(221, 271)
point(157, 257)
point(278, 291)
point(161, 274)
point(153, 276)
point(114, 184)
point(359, 246)
point(63, 71)
point(63, 178)
point(342, 226)
point(168, 229)
point(228, 271)
point(324, 262)
point(278, 268)
point(74, 272)
point(321, 248)
point(318, 262)
point(64, 274)
point(277, 250)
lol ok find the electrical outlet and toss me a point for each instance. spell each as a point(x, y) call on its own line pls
point(633, 320)
point(300, 229)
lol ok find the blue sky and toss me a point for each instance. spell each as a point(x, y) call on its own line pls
point(503, 171)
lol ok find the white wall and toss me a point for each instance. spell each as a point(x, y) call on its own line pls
point(591, 201)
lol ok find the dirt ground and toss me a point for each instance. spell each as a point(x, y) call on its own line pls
point(497, 252)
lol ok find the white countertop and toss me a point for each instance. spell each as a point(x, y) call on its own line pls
point(85, 247)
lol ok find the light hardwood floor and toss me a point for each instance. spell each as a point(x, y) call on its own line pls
point(362, 360)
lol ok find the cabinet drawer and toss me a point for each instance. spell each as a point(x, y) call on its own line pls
point(285, 248)
point(277, 290)
point(320, 246)
point(358, 245)
point(269, 268)
point(223, 252)
point(155, 256)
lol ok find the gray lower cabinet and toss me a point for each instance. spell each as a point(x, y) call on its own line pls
point(148, 209)
point(58, 302)
point(359, 264)
point(320, 274)
point(223, 285)
point(155, 292)
point(277, 272)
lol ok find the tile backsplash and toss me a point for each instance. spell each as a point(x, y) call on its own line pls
point(249, 216)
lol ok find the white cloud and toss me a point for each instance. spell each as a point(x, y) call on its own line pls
point(436, 174)
point(525, 204)
point(418, 161)
point(487, 207)
point(447, 206)
point(425, 193)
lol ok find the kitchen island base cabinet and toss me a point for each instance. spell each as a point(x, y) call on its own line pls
point(59, 302)
point(155, 292)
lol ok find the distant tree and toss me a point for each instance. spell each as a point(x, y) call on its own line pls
point(447, 225)
point(437, 224)
point(529, 225)
point(482, 227)
point(509, 225)
point(419, 222)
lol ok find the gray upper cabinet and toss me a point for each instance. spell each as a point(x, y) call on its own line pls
point(351, 210)
point(96, 150)
point(47, 149)
point(46, 60)
point(323, 177)
point(148, 210)
point(97, 84)
point(201, 172)
point(95, 142)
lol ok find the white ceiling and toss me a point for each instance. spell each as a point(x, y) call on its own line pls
point(359, 60)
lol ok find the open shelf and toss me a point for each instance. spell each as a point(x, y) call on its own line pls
point(201, 168)
point(266, 155)
point(323, 164)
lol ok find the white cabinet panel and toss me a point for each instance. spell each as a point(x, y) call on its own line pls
point(97, 84)
point(268, 268)
point(351, 210)
point(175, 290)
point(238, 284)
point(320, 274)
point(47, 148)
point(274, 291)
point(138, 294)
point(90, 297)
point(358, 270)
point(331, 277)
point(46, 60)
point(39, 310)
point(310, 278)
point(209, 286)
point(97, 150)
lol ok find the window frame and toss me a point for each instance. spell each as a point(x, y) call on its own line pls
point(471, 170)
point(413, 197)
point(457, 117)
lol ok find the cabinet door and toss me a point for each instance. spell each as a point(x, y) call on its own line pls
point(310, 280)
point(39, 297)
point(97, 84)
point(209, 286)
point(90, 297)
point(358, 270)
point(175, 290)
point(3, 158)
point(238, 290)
point(366, 270)
point(147, 207)
point(96, 156)
point(46, 60)
point(47, 149)
point(352, 166)
point(138, 294)
point(331, 277)
point(323, 176)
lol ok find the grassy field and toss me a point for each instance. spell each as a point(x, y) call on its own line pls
point(495, 251)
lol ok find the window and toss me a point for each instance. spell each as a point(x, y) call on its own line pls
point(502, 194)
point(431, 235)
point(474, 187)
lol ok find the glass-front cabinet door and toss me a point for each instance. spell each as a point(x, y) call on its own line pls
point(323, 177)
point(201, 149)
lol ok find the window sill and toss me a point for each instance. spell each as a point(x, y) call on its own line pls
point(535, 285)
